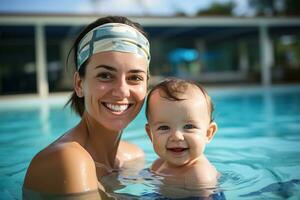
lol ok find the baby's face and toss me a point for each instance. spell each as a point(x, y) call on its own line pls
point(179, 128)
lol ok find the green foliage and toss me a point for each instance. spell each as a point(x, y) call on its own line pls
point(263, 7)
point(275, 7)
point(292, 7)
point(289, 54)
point(218, 9)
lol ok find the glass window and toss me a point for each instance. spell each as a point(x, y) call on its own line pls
point(59, 40)
point(17, 60)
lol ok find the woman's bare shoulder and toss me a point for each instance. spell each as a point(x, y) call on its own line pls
point(62, 168)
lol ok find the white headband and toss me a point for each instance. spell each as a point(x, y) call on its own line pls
point(112, 37)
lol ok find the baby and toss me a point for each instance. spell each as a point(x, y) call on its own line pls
point(180, 124)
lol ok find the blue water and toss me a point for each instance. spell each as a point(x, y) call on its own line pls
point(256, 147)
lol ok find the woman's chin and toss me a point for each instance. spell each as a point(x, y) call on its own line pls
point(117, 125)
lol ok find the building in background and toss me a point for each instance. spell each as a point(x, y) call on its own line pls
point(208, 48)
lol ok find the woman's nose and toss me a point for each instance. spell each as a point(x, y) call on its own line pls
point(121, 89)
point(177, 135)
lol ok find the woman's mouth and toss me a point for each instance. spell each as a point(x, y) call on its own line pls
point(117, 107)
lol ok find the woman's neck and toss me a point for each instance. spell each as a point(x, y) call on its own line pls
point(100, 142)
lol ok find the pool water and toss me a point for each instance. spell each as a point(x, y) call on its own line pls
point(256, 148)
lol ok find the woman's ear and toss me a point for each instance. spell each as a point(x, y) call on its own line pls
point(212, 129)
point(77, 83)
point(148, 130)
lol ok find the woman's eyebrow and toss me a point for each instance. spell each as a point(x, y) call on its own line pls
point(137, 71)
point(106, 67)
point(110, 68)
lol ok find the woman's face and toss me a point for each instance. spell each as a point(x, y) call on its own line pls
point(114, 88)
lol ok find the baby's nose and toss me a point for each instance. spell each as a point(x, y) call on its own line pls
point(177, 135)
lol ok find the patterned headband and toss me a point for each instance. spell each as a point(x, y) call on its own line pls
point(112, 37)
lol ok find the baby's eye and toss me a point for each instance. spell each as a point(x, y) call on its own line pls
point(163, 128)
point(189, 126)
point(104, 76)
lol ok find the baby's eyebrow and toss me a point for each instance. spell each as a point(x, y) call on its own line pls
point(159, 123)
point(191, 121)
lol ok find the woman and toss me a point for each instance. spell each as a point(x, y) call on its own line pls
point(110, 85)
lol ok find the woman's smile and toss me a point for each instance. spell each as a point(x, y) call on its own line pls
point(117, 108)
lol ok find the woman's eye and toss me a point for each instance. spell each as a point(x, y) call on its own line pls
point(104, 76)
point(189, 126)
point(136, 78)
point(163, 128)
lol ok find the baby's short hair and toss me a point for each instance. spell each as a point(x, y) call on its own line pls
point(174, 88)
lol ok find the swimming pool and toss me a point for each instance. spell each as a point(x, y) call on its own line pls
point(256, 148)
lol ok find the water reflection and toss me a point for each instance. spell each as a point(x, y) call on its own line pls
point(284, 190)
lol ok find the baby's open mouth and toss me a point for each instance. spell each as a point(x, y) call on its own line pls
point(177, 149)
point(117, 107)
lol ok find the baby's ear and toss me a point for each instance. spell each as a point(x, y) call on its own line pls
point(147, 128)
point(212, 129)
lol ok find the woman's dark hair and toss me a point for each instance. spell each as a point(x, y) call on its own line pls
point(173, 88)
point(77, 103)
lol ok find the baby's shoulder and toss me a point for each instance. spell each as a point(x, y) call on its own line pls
point(201, 174)
point(58, 169)
point(156, 165)
point(126, 148)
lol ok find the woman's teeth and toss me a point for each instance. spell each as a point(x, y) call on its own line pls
point(117, 108)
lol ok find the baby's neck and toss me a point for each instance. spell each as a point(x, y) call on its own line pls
point(190, 176)
point(165, 168)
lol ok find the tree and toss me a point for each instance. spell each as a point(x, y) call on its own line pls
point(292, 7)
point(217, 8)
point(264, 7)
point(275, 7)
